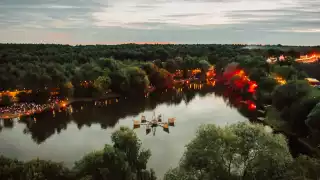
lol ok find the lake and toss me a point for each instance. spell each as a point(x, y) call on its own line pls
point(61, 136)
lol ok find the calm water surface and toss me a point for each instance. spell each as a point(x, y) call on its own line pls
point(68, 137)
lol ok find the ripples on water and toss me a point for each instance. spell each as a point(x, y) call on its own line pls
point(62, 136)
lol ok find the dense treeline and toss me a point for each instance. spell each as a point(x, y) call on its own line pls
point(33, 66)
point(36, 66)
point(86, 71)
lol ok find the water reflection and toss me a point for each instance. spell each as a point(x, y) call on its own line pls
point(107, 113)
point(66, 136)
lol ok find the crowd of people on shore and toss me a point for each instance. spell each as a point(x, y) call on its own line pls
point(18, 109)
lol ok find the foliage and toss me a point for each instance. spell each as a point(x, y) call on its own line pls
point(267, 84)
point(287, 72)
point(265, 88)
point(10, 168)
point(298, 114)
point(35, 66)
point(136, 81)
point(159, 77)
point(127, 141)
point(172, 65)
point(45, 170)
point(283, 96)
point(102, 83)
point(106, 164)
point(237, 151)
point(303, 168)
point(313, 120)
point(257, 74)
point(124, 160)
point(204, 65)
point(6, 100)
point(120, 82)
point(162, 79)
point(248, 62)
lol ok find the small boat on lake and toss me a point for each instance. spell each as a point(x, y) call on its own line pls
point(153, 123)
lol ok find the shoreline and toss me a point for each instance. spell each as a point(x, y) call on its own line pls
point(108, 96)
point(5, 116)
point(11, 115)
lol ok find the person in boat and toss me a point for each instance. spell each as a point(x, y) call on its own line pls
point(143, 119)
point(148, 129)
point(154, 123)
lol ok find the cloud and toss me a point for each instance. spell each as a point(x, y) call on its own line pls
point(193, 13)
point(160, 20)
point(47, 14)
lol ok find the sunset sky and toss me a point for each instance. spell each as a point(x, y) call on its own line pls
point(294, 22)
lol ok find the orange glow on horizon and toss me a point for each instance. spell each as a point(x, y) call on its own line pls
point(149, 43)
point(120, 43)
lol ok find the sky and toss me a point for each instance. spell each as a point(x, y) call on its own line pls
point(292, 22)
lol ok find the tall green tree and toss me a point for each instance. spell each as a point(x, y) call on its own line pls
point(120, 81)
point(10, 169)
point(45, 170)
point(283, 96)
point(313, 120)
point(297, 115)
point(102, 83)
point(124, 160)
point(303, 168)
point(138, 80)
point(287, 72)
point(162, 79)
point(240, 151)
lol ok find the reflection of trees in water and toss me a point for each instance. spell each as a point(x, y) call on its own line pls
point(8, 123)
point(44, 125)
point(235, 100)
